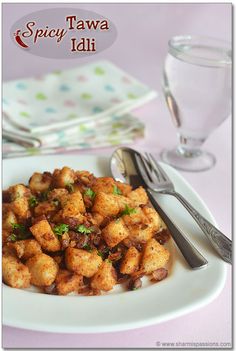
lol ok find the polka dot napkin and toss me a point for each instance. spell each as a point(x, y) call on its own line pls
point(84, 107)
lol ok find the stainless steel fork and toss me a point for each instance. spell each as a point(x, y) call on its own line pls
point(156, 179)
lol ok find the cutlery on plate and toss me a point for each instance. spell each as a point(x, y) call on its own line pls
point(124, 168)
point(156, 179)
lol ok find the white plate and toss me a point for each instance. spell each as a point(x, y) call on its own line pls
point(183, 291)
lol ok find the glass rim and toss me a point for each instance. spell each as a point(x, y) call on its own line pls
point(212, 42)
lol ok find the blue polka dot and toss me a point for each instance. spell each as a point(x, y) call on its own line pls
point(84, 145)
point(115, 118)
point(21, 86)
point(64, 87)
point(97, 109)
point(50, 110)
point(109, 87)
point(61, 134)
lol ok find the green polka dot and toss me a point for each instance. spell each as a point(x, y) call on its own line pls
point(114, 141)
point(86, 96)
point(71, 116)
point(33, 151)
point(57, 71)
point(82, 128)
point(99, 71)
point(24, 114)
point(131, 96)
point(40, 96)
point(113, 133)
point(117, 125)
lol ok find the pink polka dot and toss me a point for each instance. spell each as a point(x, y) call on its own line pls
point(126, 80)
point(115, 100)
point(59, 150)
point(39, 78)
point(69, 103)
point(82, 78)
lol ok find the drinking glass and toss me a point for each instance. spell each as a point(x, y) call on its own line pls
point(197, 89)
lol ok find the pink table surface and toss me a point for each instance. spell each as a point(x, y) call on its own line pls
point(143, 32)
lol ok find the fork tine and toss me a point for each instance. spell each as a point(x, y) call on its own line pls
point(150, 171)
point(159, 168)
point(159, 175)
point(149, 161)
point(142, 168)
point(147, 168)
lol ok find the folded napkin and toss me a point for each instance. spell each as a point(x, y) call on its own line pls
point(84, 107)
point(121, 130)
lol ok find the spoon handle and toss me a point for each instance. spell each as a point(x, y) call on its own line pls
point(193, 257)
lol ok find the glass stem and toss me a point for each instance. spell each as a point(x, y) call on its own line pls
point(189, 147)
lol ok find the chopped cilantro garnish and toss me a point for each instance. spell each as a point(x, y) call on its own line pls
point(12, 237)
point(33, 201)
point(61, 229)
point(20, 232)
point(83, 230)
point(104, 252)
point(55, 202)
point(90, 193)
point(20, 227)
point(116, 190)
point(128, 211)
point(70, 187)
point(87, 247)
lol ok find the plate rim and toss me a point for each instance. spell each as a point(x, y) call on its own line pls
point(122, 326)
